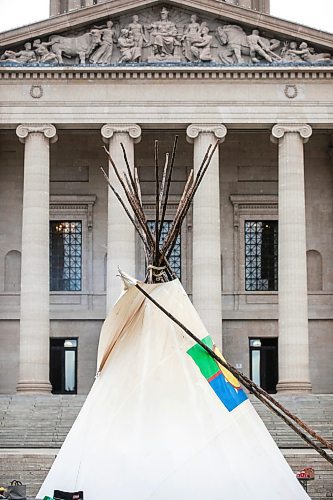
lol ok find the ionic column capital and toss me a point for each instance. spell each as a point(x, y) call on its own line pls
point(218, 129)
point(49, 131)
point(132, 129)
point(280, 129)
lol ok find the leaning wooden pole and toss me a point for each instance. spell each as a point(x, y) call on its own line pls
point(262, 395)
point(157, 206)
point(168, 181)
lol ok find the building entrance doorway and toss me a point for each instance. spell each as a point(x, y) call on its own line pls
point(63, 366)
point(264, 363)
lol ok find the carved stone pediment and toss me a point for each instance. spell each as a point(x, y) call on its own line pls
point(165, 34)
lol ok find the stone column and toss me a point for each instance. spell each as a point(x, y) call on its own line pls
point(247, 4)
point(207, 285)
point(89, 3)
point(74, 5)
point(121, 233)
point(34, 322)
point(55, 8)
point(294, 373)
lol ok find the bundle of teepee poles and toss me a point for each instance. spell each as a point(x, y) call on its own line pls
point(157, 254)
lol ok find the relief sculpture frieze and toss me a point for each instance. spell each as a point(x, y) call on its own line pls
point(164, 35)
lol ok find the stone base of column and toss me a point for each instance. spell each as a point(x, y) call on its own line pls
point(293, 387)
point(33, 387)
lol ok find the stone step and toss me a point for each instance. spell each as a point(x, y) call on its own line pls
point(32, 428)
point(32, 466)
point(44, 421)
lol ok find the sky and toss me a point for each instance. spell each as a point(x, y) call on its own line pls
point(16, 13)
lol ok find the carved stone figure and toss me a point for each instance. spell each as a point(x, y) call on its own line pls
point(127, 46)
point(237, 44)
point(289, 53)
point(136, 31)
point(191, 35)
point(81, 46)
point(234, 39)
point(23, 56)
point(308, 54)
point(178, 40)
point(269, 46)
point(104, 53)
point(8, 56)
point(163, 36)
point(43, 53)
point(257, 48)
point(201, 48)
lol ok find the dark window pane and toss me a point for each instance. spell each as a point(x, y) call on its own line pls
point(264, 363)
point(261, 256)
point(66, 256)
point(63, 366)
point(56, 361)
point(175, 256)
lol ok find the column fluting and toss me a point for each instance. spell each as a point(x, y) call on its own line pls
point(294, 373)
point(206, 284)
point(121, 233)
point(74, 4)
point(34, 319)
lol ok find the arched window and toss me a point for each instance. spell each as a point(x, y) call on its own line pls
point(12, 271)
point(315, 271)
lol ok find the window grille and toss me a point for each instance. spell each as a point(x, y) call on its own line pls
point(175, 256)
point(66, 256)
point(261, 255)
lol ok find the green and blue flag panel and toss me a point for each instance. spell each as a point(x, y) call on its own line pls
point(223, 383)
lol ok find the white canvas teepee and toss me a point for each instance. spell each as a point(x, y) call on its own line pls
point(163, 420)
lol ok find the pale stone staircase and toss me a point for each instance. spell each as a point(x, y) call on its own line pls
point(315, 410)
point(32, 428)
point(37, 421)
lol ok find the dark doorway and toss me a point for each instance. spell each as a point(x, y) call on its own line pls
point(63, 366)
point(264, 363)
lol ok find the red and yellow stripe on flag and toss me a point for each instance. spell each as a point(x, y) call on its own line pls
point(224, 384)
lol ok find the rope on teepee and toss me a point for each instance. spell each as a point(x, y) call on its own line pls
point(156, 274)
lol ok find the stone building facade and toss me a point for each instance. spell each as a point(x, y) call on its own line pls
point(62, 6)
point(256, 251)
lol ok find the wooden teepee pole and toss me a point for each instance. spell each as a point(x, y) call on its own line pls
point(262, 395)
point(168, 181)
point(157, 206)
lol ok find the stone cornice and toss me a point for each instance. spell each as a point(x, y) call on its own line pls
point(253, 204)
point(72, 200)
point(47, 129)
point(39, 74)
point(280, 129)
point(254, 199)
point(228, 12)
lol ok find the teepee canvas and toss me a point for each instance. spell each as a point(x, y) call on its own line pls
point(163, 420)
point(166, 418)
